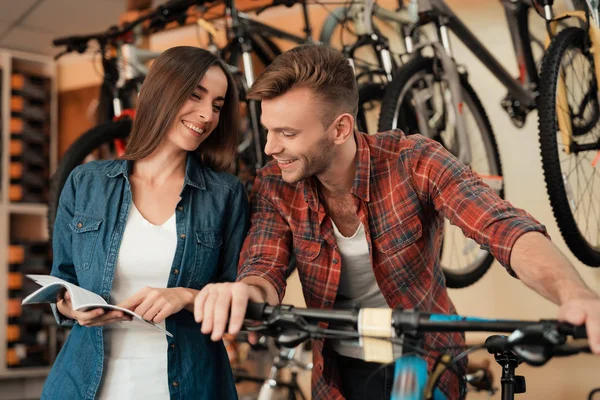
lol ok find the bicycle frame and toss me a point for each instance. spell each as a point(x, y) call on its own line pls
point(521, 95)
point(241, 26)
point(516, 14)
point(134, 69)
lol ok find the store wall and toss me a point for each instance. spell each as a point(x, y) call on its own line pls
point(497, 294)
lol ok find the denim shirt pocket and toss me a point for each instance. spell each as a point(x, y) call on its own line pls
point(85, 235)
point(208, 252)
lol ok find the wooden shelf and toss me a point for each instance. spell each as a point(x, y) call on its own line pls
point(24, 372)
point(28, 208)
point(22, 222)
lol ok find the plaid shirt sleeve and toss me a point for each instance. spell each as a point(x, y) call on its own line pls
point(266, 250)
point(460, 195)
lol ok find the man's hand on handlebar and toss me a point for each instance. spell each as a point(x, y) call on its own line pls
point(584, 310)
point(220, 303)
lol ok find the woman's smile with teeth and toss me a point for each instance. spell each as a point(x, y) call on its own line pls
point(193, 127)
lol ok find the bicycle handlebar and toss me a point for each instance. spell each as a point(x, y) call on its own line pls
point(404, 321)
point(173, 10)
point(275, 3)
point(535, 341)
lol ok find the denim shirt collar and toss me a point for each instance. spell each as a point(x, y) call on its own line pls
point(193, 171)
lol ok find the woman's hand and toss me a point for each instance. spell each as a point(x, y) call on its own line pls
point(95, 317)
point(155, 305)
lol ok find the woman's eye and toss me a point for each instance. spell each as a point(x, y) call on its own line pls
point(196, 96)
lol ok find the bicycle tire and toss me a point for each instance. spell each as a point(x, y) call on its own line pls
point(401, 79)
point(334, 18)
point(586, 252)
point(368, 93)
point(76, 154)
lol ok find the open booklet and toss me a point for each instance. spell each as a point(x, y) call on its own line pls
point(81, 299)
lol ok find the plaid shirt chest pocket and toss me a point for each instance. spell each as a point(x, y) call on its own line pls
point(306, 249)
point(398, 248)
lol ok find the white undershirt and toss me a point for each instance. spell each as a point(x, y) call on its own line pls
point(135, 357)
point(358, 286)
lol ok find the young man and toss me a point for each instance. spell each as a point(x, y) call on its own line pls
point(364, 217)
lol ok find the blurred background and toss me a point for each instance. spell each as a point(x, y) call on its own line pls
point(48, 104)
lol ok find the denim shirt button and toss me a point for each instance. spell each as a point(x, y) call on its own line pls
point(172, 345)
point(180, 208)
point(175, 271)
point(182, 236)
point(79, 225)
point(175, 384)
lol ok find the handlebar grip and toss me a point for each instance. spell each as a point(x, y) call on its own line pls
point(177, 6)
point(63, 41)
point(255, 311)
point(577, 331)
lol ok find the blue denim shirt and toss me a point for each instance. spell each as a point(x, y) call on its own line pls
point(212, 220)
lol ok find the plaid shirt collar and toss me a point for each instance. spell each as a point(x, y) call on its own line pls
point(360, 187)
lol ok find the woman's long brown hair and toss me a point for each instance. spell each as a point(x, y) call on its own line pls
point(171, 81)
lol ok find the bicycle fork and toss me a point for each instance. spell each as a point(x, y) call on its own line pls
point(252, 104)
point(593, 32)
point(452, 97)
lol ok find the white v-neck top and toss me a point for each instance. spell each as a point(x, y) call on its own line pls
point(135, 357)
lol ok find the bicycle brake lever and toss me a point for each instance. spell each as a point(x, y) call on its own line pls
point(292, 338)
point(536, 343)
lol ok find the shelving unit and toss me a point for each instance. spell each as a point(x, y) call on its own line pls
point(29, 338)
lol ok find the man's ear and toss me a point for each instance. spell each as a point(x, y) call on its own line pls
point(344, 128)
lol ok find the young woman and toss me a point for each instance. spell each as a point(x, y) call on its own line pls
point(147, 232)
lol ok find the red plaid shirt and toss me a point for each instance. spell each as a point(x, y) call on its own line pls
point(404, 186)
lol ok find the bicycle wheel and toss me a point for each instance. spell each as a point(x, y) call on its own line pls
point(570, 150)
point(417, 87)
point(95, 144)
point(370, 98)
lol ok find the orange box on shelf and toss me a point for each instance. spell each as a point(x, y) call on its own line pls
point(16, 254)
point(15, 193)
point(13, 333)
point(15, 280)
point(12, 357)
point(16, 170)
point(16, 125)
point(17, 103)
point(16, 147)
point(17, 81)
point(13, 307)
